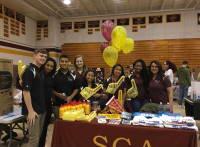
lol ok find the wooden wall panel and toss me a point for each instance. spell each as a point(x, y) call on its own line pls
point(175, 50)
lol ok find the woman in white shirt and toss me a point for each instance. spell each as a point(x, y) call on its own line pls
point(198, 77)
point(170, 69)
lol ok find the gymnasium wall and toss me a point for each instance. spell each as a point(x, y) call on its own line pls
point(186, 28)
point(175, 50)
point(15, 45)
point(175, 41)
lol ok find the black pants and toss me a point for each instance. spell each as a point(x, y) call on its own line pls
point(45, 127)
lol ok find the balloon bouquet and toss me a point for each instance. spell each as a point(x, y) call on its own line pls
point(117, 41)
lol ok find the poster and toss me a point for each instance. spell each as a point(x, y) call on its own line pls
point(9, 12)
point(65, 26)
point(42, 24)
point(173, 18)
point(94, 24)
point(123, 21)
point(155, 19)
point(139, 20)
point(79, 25)
point(20, 17)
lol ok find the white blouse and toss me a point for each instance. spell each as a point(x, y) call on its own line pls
point(170, 75)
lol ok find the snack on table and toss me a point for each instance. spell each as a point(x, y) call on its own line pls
point(110, 116)
point(76, 111)
point(126, 122)
point(73, 114)
point(101, 119)
point(114, 121)
point(126, 115)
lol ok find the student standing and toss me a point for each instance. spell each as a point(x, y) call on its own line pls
point(80, 69)
point(170, 69)
point(65, 87)
point(49, 69)
point(33, 103)
point(184, 81)
point(198, 77)
point(116, 73)
point(142, 80)
point(159, 89)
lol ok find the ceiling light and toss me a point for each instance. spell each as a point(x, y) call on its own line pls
point(67, 2)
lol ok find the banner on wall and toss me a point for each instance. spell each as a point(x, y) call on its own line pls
point(65, 26)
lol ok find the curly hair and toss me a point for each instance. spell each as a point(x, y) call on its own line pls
point(144, 72)
point(171, 65)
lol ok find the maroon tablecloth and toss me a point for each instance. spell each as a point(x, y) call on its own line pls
point(83, 134)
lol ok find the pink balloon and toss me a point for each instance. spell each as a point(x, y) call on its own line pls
point(103, 46)
point(106, 29)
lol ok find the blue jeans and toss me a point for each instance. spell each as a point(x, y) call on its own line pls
point(183, 92)
point(137, 104)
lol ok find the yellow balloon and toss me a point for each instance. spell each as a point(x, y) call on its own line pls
point(128, 46)
point(118, 37)
point(21, 68)
point(110, 56)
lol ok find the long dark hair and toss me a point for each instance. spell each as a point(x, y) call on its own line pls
point(171, 65)
point(160, 73)
point(85, 83)
point(113, 68)
point(54, 66)
point(144, 72)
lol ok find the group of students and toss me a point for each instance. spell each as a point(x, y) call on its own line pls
point(46, 87)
